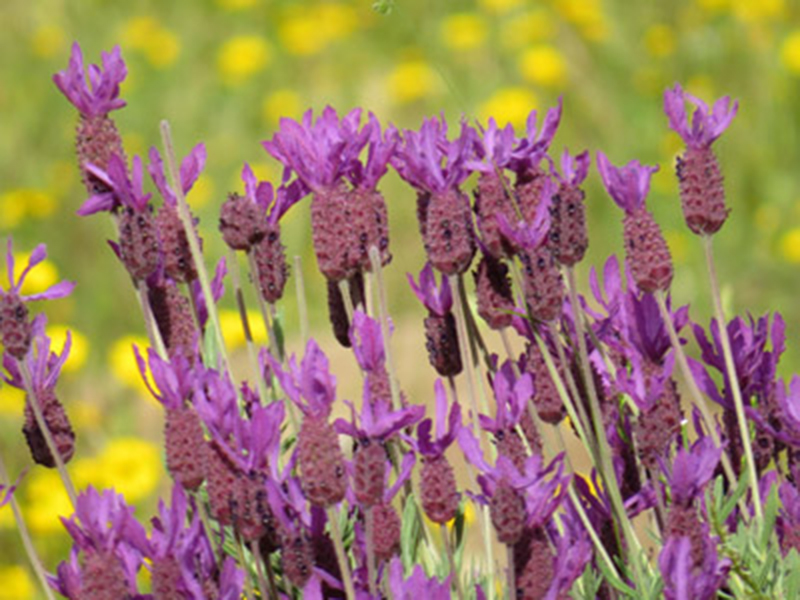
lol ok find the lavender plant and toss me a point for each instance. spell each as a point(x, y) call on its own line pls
point(680, 502)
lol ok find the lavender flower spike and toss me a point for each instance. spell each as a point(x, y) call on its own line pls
point(101, 94)
point(645, 248)
point(698, 171)
point(437, 299)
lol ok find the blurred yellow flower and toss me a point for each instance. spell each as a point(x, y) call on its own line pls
point(236, 4)
point(790, 245)
point(659, 40)
point(201, 192)
point(123, 365)
point(543, 65)
point(159, 45)
point(17, 583)
point(754, 11)
point(790, 52)
point(241, 57)
point(233, 332)
point(586, 15)
point(84, 415)
point(463, 31)
point(38, 279)
point(17, 204)
point(12, 401)
point(337, 20)
point(411, 80)
point(714, 6)
point(44, 501)
point(509, 105)
point(132, 466)
point(528, 28)
point(310, 31)
point(78, 352)
point(281, 103)
point(500, 6)
point(48, 41)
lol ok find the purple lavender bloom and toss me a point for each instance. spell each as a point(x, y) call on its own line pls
point(706, 125)
point(101, 94)
point(59, 290)
point(45, 366)
point(788, 523)
point(417, 585)
point(494, 149)
point(511, 398)
point(574, 169)
point(124, 190)
point(217, 291)
point(249, 443)
point(533, 147)
point(692, 470)
point(269, 201)
point(429, 161)
point(437, 299)
point(310, 385)
point(378, 421)
point(175, 379)
point(367, 342)
point(644, 329)
point(683, 579)
point(645, 387)
point(380, 149)
point(573, 550)
point(447, 427)
point(190, 170)
point(628, 185)
point(532, 234)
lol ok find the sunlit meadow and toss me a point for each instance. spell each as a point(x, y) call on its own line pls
point(225, 71)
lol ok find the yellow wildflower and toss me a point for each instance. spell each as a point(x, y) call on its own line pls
point(300, 34)
point(714, 6)
point(132, 466)
point(528, 28)
point(790, 52)
point(499, 6)
point(336, 20)
point(241, 57)
point(12, 402)
point(38, 279)
point(509, 105)
point(19, 203)
point(159, 45)
point(45, 500)
point(123, 363)
point(17, 583)
point(411, 80)
point(48, 41)
point(202, 190)
point(587, 15)
point(78, 352)
point(790, 245)
point(281, 103)
point(659, 40)
point(463, 31)
point(543, 65)
point(233, 332)
point(755, 11)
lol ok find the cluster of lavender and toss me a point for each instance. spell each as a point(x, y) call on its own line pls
point(267, 502)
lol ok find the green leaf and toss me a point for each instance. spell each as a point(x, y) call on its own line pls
point(410, 533)
point(615, 581)
point(730, 503)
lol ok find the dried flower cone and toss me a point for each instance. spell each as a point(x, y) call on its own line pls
point(369, 477)
point(178, 262)
point(333, 234)
point(510, 445)
point(549, 406)
point(239, 223)
point(493, 290)
point(96, 139)
point(437, 486)
point(491, 200)
point(449, 239)
point(103, 577)
point(702, 191)
point(15, 327)
point(321, 462)
point(297, 559)
point(173, 315)
point(507, 511)
point(370, 220)
point(542, 284)
point(165, 578)
point(186, 448)
point(647, 252)
point(528, 189)
point(386, 528)
point(657, 427)
point(271, 267)
point(568, 239)
point(533, 565)
point(138, 243)
point(57, 423)
point(442, 343)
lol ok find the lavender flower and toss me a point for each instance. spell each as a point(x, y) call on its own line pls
point(682, 579)
point(567, 238)
point(645, 247)
point(436, 167)
point(417, 585)
point(441, 334)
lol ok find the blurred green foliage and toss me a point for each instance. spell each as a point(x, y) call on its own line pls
point(225, 71)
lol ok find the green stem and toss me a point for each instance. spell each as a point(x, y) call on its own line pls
point(25, 535)
point(383, 308)
point(248, 584)
point(341, 556)
point(194, 241)
point(512, 578)
point(733, 379)
point(451, 559)
point(33, 400)
point(262, 582)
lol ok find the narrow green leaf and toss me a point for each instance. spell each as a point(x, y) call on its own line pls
point(730, 503)
point(410, 533)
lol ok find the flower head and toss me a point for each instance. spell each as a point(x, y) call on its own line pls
point(190, 170)
point(124, 190)
point(101, 94)
point(574, 169)
point(494, 149)
point(378, 420)
point(44, 365)
point(59, 290)
point(692, 470)
point(437, 299)
point(429, 161)
point(511, 396)
point(531, 234)
point(310, 385)
point(447, 427)
point(367, 341)
point(417, 585)
point(532, 148)
point(380, 149)
point(682, 579)
point(706, 126)
point(627, 185)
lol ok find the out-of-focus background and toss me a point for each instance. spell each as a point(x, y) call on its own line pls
point(224, 72)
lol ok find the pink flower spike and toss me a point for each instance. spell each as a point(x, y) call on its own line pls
point(706, 126)
point(101, 94)
point(438, 300)
point(628, 185)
